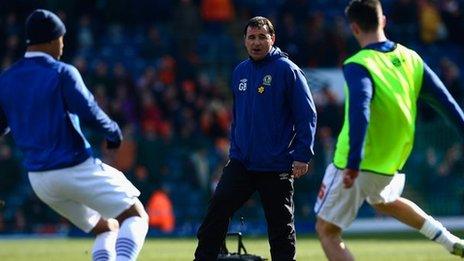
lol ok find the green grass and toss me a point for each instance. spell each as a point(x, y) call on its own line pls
point(308, 248)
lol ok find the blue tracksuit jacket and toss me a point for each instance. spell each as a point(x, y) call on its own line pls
point(41, 102)
point(274, 117)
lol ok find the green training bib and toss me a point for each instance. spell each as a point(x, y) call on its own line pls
point(397, 80)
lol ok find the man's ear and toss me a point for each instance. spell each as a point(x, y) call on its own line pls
point(355, 28)
point(383, 21)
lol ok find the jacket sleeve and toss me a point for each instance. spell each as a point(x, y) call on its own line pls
point(304, 114)
point(78, 100)
point(434, 93)
point(4, 129)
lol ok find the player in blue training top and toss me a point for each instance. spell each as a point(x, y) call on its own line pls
point(272, 134)
point(41, 103)
point(384, 81)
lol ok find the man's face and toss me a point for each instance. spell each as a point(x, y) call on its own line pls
point(258, 42)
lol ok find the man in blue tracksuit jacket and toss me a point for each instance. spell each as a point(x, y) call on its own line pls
point(42, 101)
point(272, 134)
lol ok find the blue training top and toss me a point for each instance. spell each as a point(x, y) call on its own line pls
point(41, 102)
point(362, 90)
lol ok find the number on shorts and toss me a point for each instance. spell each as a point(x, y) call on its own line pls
point(321, 191)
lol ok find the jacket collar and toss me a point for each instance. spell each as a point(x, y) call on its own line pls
point(37, 54)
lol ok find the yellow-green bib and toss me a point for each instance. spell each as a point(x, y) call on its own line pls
point(397, 80)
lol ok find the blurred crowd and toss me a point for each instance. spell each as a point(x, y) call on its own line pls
point(161, 70)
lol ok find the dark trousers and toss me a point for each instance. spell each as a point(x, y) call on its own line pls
point(234, 188)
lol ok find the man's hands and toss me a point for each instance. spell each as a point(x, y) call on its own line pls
point(349, 176)
point(114, 144)
point(299, 169)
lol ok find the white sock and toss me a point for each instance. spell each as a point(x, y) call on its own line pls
point(104, 246)
point(435, 231)
point(131, 236)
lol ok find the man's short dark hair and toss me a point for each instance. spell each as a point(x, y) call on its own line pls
point(260, 22)
point(365, 13)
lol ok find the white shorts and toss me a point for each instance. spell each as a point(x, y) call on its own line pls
point(340, 206)
point(85, 192)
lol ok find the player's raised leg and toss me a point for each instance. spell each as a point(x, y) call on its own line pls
point(412, 215)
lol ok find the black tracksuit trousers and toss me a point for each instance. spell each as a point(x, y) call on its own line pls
point(234, 188)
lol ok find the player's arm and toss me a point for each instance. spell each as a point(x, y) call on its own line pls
point(434, 93)
point(305, 115)
point(360, 92)
point(4, 129)
point(80, 101)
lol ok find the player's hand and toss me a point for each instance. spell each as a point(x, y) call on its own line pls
point(299, 169)
point(349, 176)
point(112, 145)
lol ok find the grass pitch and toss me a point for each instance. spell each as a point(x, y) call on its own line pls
point(308, 248)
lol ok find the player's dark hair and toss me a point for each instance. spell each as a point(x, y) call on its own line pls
point(260, 22)
point(364, 13)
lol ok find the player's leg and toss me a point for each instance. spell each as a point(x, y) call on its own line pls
point(331, 240)
point(133, 229)
point(412, 215)
point(107, 191)
point(276, 193)
point(48, 186)
point(234, 188)
point(336, 208)
point(114, 196)
point(86, 192)
point(106, 232)
point(405, 211)
point(390, 202)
